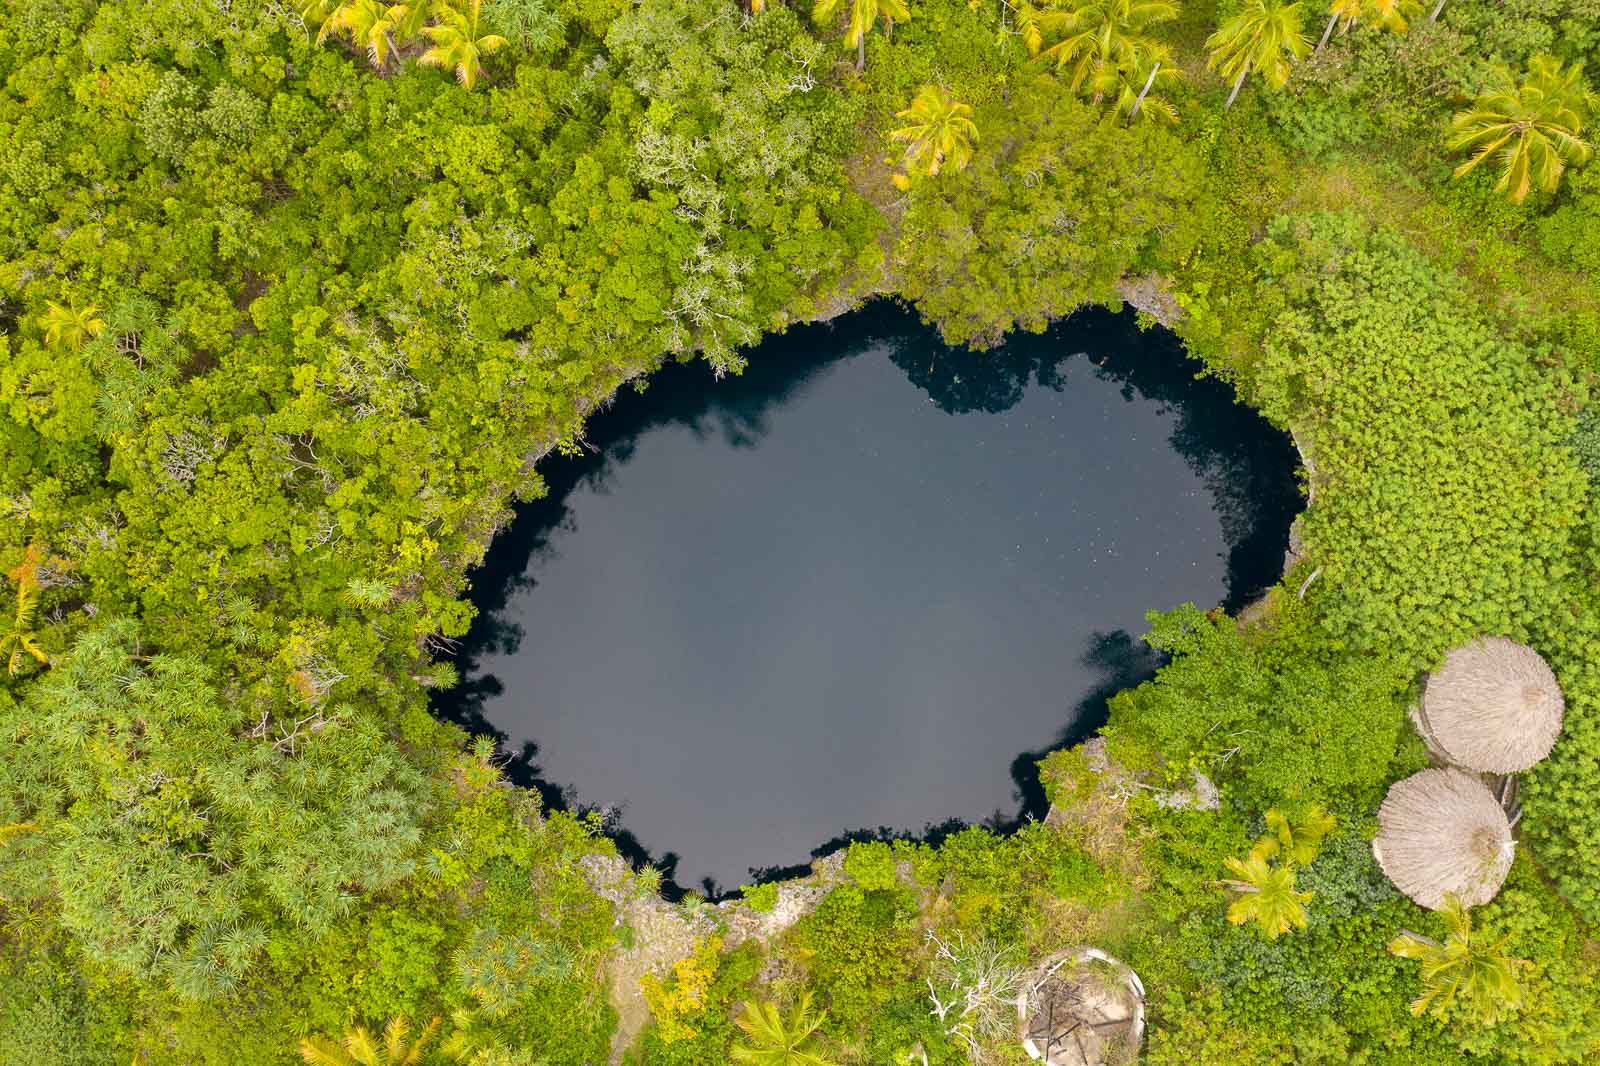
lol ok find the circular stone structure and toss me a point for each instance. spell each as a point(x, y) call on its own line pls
point(1442, 832)
point(1081, 1007)
point(1494, 706)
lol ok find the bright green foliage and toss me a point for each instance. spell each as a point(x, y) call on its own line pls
point(360, 1048)
point(1463, 970)
point(1445, 503)
point(871, 864)
point(1051, 214)
point(178, 832)
point(1092, 39)
point(860, 947)
point(760, 898)
point(938, 130)
point(776, 1040)
point(1265, 895)
point(1269, 713)
point(1532, 129)
point(1265, 37)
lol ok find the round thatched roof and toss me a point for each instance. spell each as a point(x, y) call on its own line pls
point(1081, 1007)
point(1494, 706)
point(1442, 831)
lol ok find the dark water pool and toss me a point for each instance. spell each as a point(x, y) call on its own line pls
point(863, 585)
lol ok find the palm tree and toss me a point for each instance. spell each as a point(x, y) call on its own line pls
point(369, 24)
point(316, 13)
point(20, 638)
point(1095, 35)
point(1266, 37)
point(359, 1048)
point(776, 1041)
point(1295, 842)
point(940, 131)
point(1534, 129)
point(1129, 87)
point(863, 16)
point(457, 43)
point(70, 327)
point(1386, 14)
point(1462, 968)
point(1266, 895)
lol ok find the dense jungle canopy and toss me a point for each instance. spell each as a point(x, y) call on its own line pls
point(295, 299)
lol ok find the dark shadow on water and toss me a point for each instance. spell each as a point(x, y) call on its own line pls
point(1248, 466)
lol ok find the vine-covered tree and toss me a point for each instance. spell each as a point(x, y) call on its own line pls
point(182, 830)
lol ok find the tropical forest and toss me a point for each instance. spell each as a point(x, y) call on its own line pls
point(799, 532)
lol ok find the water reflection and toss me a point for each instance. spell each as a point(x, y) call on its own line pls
point(1244, 467)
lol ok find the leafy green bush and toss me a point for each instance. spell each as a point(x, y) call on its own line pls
point(1445, 504)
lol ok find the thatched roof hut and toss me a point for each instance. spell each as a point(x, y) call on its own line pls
point(1082, 1008)
point(1494, 707)
point(1442, 831)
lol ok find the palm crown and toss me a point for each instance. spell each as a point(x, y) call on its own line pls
point(1265, 37)
point(778, 1041)
point(1095, 35)
point(1533, 129)
point(457, 43)
point(1267, 895)
point(940, 131)
point(864, 15)
point(361, 1048)
point(70, 327)
point(1464, 968)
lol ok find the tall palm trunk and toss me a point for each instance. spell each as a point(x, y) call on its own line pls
point(1436, 9)
point(1237, 85)
point(861, 52)
point(1133, 112)
point(1327, 30)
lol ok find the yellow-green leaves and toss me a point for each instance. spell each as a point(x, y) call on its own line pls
point(459, 44)
point(939, 130)
point(1265, 37)
point(1531, 129)
point(70, 327)
point(1265, 895)
point(1466, 970)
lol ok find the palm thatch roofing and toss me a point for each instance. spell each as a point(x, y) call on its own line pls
point(1442, 831)
point(1494, 706)
point(1082, 1007)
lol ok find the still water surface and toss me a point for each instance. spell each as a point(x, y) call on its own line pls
point(864, 584)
